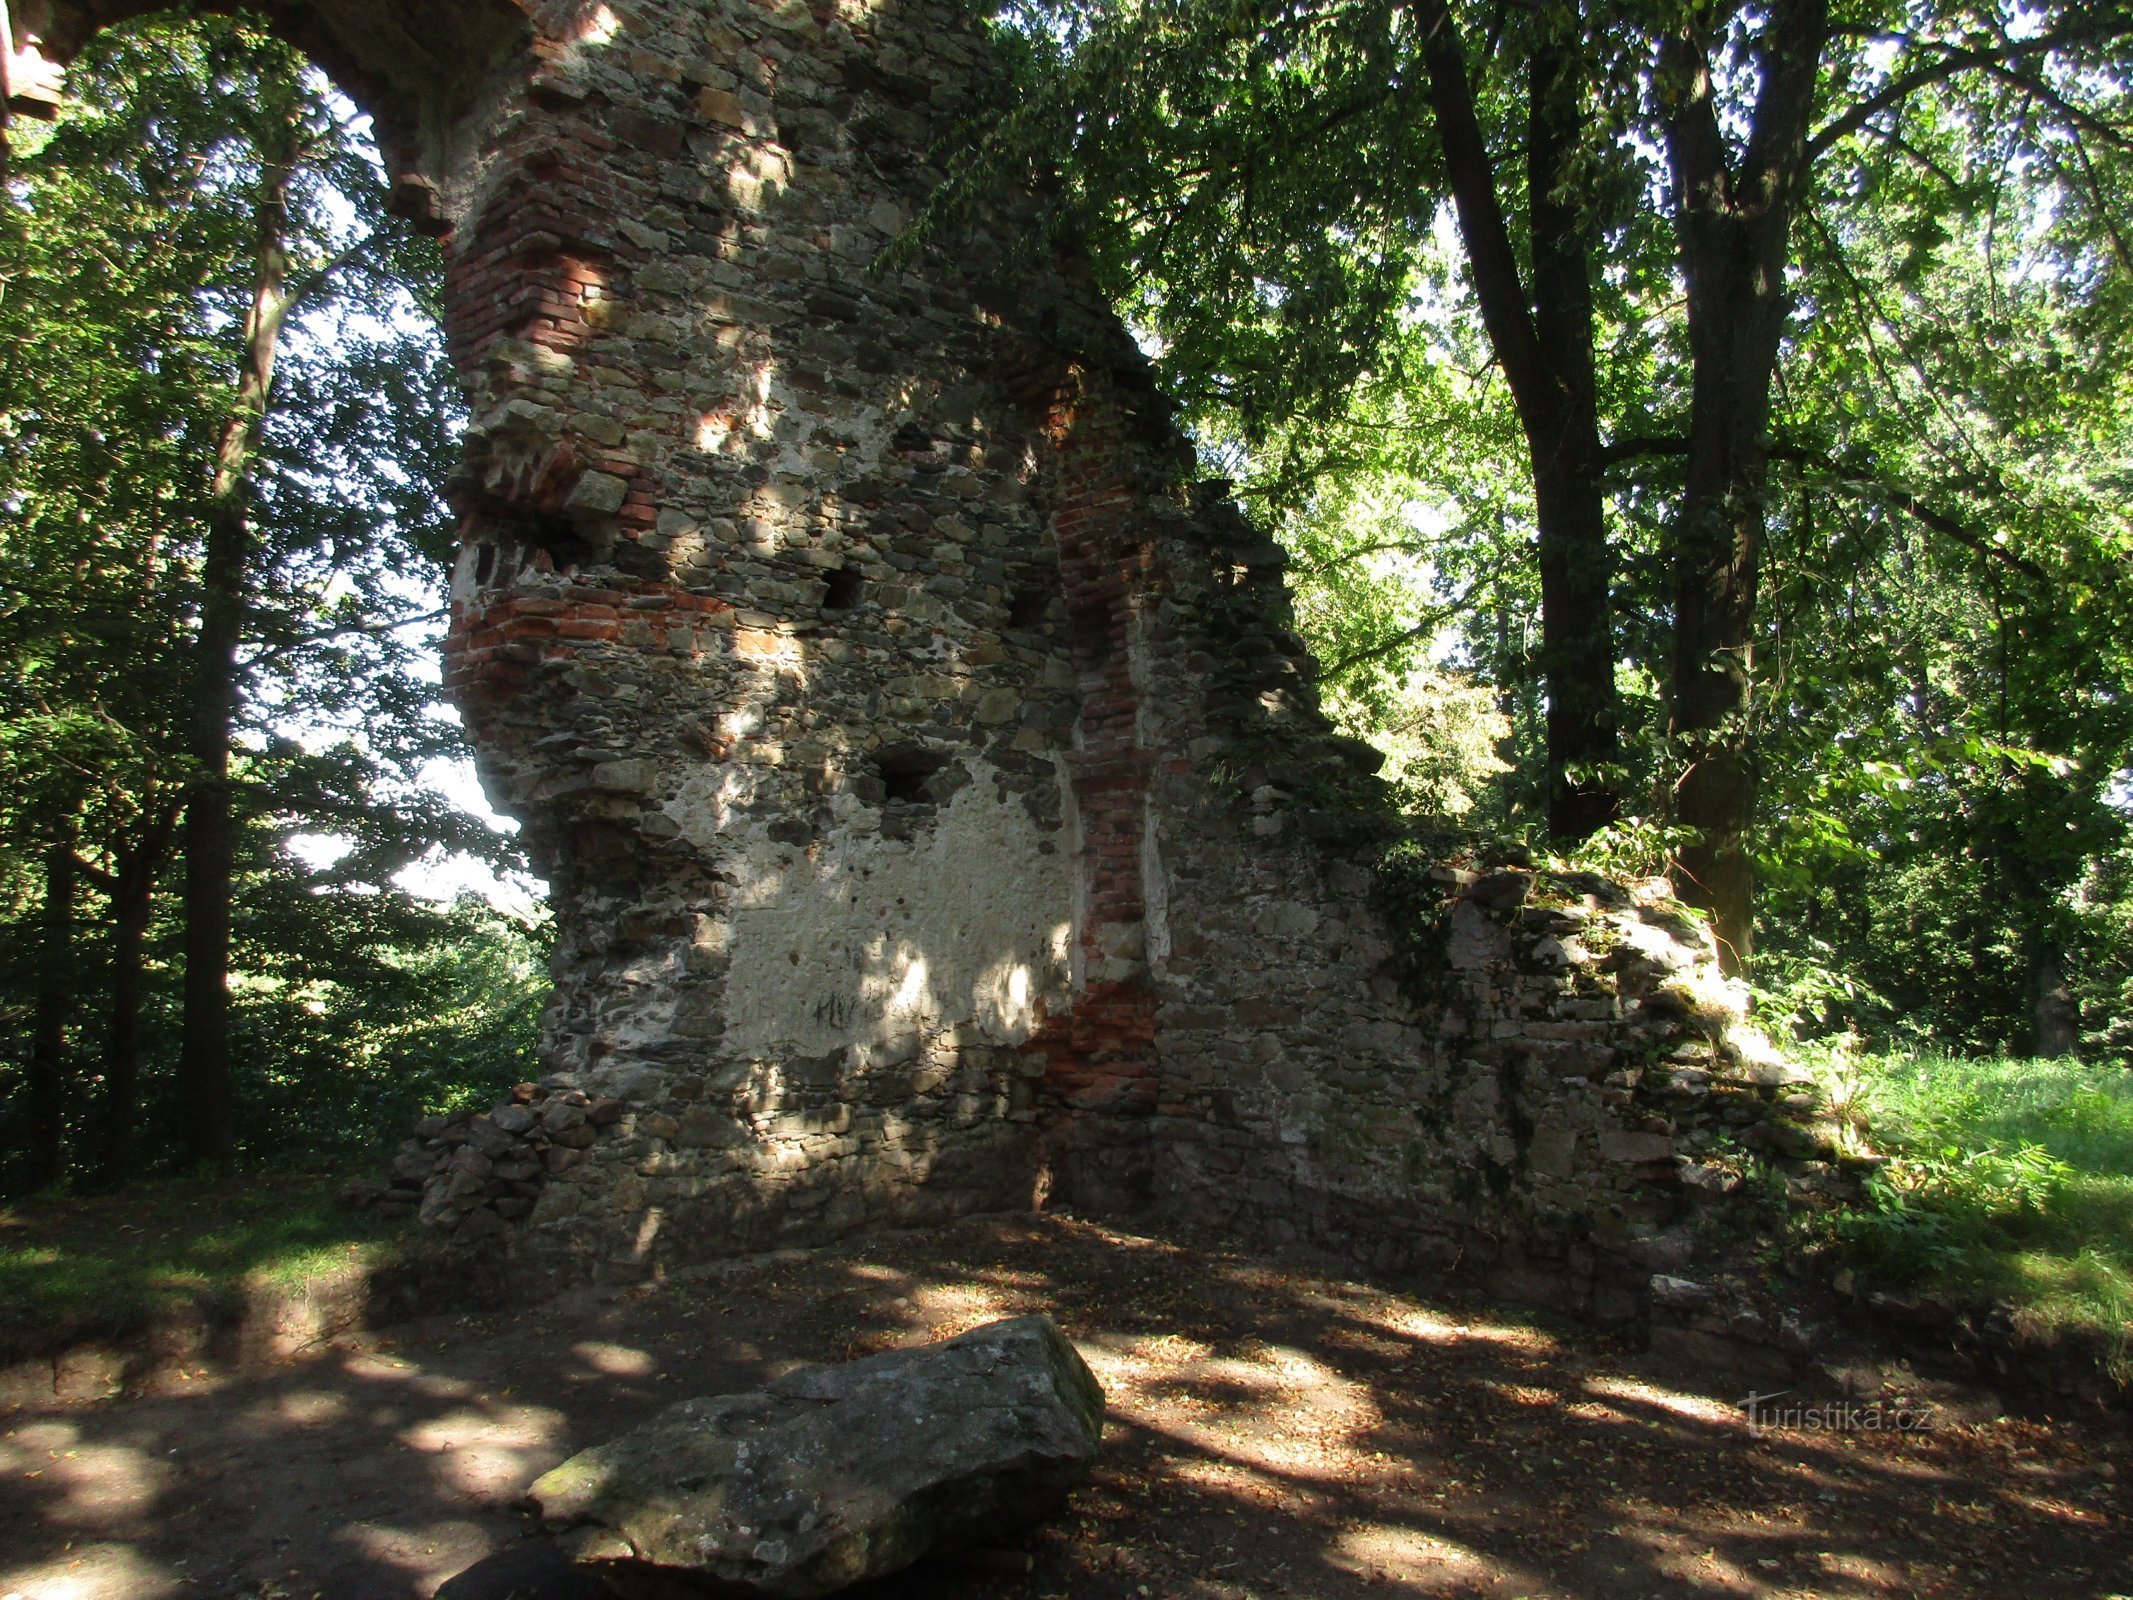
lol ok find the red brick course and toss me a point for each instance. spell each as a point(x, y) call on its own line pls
point(493, 643)
point(1100, 1057)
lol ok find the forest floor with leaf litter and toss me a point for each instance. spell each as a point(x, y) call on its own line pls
point(1272, 1435)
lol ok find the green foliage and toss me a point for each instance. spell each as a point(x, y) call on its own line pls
point(354, 1019)
point(1940, 638)
point(2005, 1179)
point(127, 246)
point(74, 1268)
point(1627, 849)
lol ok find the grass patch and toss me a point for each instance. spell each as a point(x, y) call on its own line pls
point(107, 1266)
point(2009, 1180)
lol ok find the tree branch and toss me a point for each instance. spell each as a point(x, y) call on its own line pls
point(1429, 624)
point(315, 279)
point(1905, 501)
point(1955, 60)
point(1493, 261)
point(356, 629)
point(1791, 60)
point(1631, 446)
point(105, 882)
point(2079, 118)
point(1893, 494)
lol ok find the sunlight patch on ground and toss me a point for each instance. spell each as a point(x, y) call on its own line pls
point(869, 1272)
point(1863, 1570)
point(490, 1451)
point(428, 1554)
point(378, 1367)
point(495, 1471)
point(1525, 1394)
point(94, 1572)
point(1685, 1559)
point(956, 1308)
point(1431, 1327)
point(1276, 1411)
point(1406, 1557)
point(1692, 1407)
point(518, 1426)
point(2047, 1505)
point(616, 1360)
point(309, 1407)
point(26, 1448)
point(95, 1486)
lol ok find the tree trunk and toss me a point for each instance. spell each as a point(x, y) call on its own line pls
point(2056, 1018)
point(55, 1006)
point(132, 895)
point(204, 1078)
point(1734, 228)
point(1544, 342)
point(1717, 545)
point(1562, 429)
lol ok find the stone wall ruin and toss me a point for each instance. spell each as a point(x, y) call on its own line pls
point(933, 790)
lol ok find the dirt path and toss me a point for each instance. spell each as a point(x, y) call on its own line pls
point(1273, 1434)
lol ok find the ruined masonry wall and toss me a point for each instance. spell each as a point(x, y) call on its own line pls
point(932, 787)
point(758, 626)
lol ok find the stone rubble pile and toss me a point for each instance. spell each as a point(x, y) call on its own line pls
point(470, 1174)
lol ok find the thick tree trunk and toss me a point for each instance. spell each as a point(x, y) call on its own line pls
point(204, 1077)
point(1716, 560)
point(1544, 342)
point(1577, 641)
point(2056, 1019)
point(55, 1007)
point(1562, 426)
point(1735, 229)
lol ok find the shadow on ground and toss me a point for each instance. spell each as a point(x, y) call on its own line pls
point(1272, 1433)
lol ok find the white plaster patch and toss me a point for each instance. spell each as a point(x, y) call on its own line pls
point(713, 796)
point(1155, 890)
point(874, 941)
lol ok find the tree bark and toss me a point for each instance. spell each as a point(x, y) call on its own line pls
point(2055, 1018)
point(54, 1009)
point(131, 885)
point(1563, 441)
point(1544, 343)
point(204, 1076)
point(1734, 229)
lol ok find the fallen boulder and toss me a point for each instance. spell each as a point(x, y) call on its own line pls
point(836, 1474)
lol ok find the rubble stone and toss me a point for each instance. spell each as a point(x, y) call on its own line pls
point(837, 1474)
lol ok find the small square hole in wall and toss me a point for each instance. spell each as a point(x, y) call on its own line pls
point(1026, 608)
point(841, 589)
point(905, 770)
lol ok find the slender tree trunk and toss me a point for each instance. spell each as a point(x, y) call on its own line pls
point(55, 1007)
point(204, 1077)
point(1734, 228)
point(1544, 342)
point(132, 897)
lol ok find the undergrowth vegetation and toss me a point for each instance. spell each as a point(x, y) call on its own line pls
point(75, 1267)
point(2005, 1179)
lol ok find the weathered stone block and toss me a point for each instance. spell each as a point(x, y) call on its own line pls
point(1635, 1148)
point(834, 1475)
